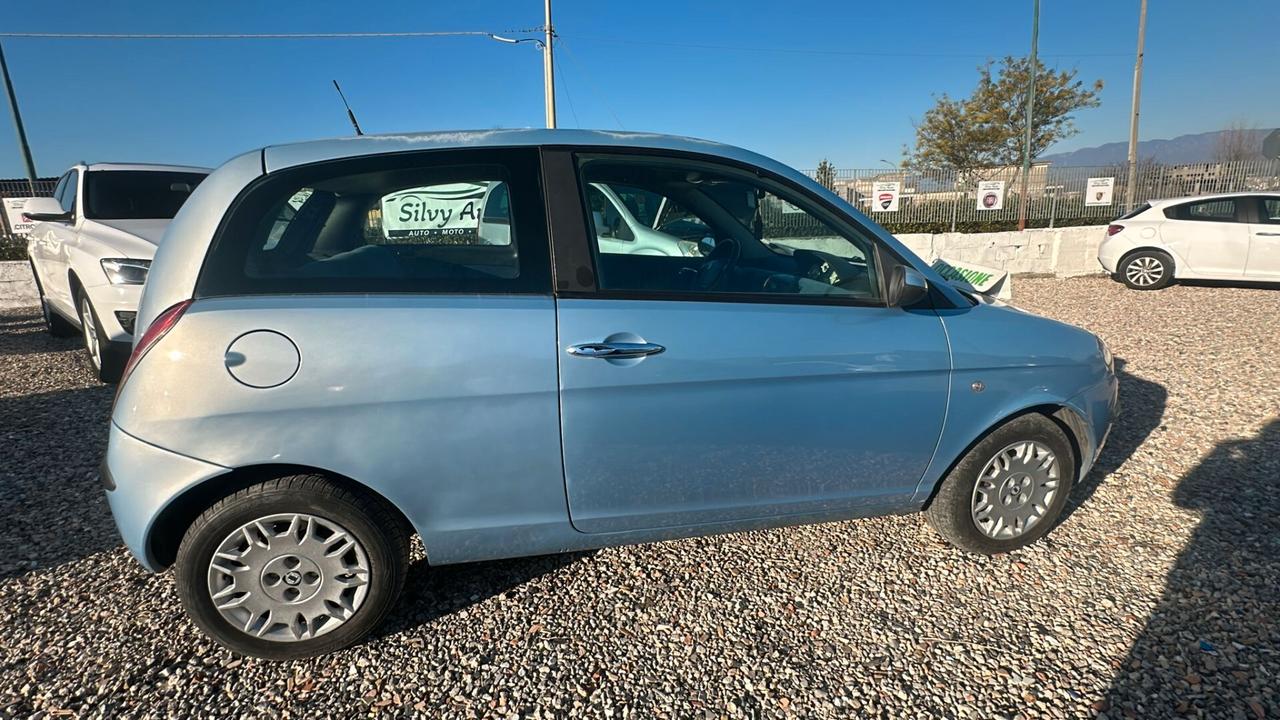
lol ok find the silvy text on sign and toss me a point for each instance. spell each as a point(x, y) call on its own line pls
point(1098, 191)
point(991, 195)
point(884, 196)
point(436, 211)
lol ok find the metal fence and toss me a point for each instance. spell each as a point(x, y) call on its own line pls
point(941, 200)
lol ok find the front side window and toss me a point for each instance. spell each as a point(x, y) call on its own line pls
point(458, 228)
point(136, 194)
point(1270, 210)
point(685, 227)
point(68, 198)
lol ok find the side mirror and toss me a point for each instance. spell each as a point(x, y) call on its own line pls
point(906, 287)
point(42, 209)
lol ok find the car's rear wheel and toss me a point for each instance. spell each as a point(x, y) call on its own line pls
point(1147, 270)
point(1008, 490)
point(55, 324)
point(292, 567)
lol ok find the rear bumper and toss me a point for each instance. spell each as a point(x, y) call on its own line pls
point(140, 481)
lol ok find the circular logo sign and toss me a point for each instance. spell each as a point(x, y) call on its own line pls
point(990, 199)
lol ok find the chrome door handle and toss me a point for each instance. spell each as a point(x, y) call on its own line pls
point(615, 350)
point(1268, 234)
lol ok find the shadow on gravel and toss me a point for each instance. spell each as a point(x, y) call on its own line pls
point(1142, 405)
point(434, 592)
point(52, 505)
point(1212, 645)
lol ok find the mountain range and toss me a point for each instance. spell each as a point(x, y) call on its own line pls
point(1195, 148)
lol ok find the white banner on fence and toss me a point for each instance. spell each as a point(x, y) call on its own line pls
point(885, 196)
point(13, 210)
point(991, 195)
point(1098, 191)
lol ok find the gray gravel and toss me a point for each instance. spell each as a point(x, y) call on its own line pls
point(1156, 597)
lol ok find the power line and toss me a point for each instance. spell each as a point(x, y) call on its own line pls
point(820, 51)
point(590, 82)
point(259, 36)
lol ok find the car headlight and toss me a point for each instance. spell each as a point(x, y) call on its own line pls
point(1107, 358)
point(124, 271)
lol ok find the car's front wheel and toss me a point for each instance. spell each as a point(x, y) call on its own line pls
point(1147, 270)
point(106, 357)
point(1008, 490)
point(292, 567)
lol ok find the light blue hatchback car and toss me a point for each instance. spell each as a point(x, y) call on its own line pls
point(470, 336)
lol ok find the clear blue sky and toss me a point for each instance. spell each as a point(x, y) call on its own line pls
point(798, 80)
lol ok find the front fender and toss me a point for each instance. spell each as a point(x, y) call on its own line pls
point(1005, 363)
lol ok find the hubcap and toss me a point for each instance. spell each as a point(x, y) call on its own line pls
point(90, 332)
point(288, 577)
point(1015, 490)
point(1145, 271)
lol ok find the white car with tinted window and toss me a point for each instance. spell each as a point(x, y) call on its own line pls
point(1234, 236)
point(91, 248)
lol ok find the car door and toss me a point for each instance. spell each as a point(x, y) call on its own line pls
point(1210, 235)
point(1264, 239)
point(766, 379)
point(59, 240)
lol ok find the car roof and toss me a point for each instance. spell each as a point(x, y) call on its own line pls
point(152, 167)
point(277, 157)
point(1243, 193)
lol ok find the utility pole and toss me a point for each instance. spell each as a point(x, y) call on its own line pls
point(17, 123)
point(548, 70)
point(1131, 188)
point(1031, 104)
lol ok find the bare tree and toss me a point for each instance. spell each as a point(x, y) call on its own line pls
point(826, 175)
point(1239, 141)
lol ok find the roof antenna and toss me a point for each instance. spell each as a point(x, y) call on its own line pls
point(350, 115)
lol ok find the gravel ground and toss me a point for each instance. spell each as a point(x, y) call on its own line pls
point(1156, 597)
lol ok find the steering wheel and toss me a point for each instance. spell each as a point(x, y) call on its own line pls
point(719, 265)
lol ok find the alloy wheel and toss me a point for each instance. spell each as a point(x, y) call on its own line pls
point(288, 577)
point(90, 331)
point(1145, 271)
point(1015, 490)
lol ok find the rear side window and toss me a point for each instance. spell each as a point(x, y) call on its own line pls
point(459, 222)
point(1220, 210)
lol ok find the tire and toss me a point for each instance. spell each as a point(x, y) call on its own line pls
point(105, 356)
point(966, 516)
point(1146, 270)
point(380, 542)
point(54, 324)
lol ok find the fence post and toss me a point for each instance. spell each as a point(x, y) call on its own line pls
point(1053, 208)
point(954, 207)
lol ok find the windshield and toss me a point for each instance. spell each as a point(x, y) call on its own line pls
point(136, 194)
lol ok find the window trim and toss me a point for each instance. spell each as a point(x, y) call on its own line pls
point(574, 228)
point(1182, 210)
point(530, 234)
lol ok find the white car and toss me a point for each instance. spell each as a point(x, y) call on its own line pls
point(92, 246)
point(1234, 236)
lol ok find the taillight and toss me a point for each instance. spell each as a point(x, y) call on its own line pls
point(159, 327)
point(1113, 229)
